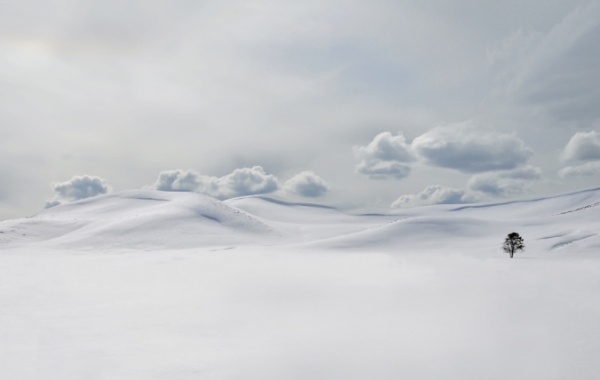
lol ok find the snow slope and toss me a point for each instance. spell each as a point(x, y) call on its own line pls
point(146, 285)
point(567, 223)
point(143, 219)
point(146, 219)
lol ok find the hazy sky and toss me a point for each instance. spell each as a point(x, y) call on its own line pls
point(352, 102)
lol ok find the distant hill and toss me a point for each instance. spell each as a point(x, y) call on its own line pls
point(147, 219)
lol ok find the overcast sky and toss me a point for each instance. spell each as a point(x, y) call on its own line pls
point(386, 103)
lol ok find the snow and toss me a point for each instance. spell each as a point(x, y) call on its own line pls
point(153, 285)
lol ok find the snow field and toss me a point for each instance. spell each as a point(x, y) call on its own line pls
point(150, 285)
point(270, 314)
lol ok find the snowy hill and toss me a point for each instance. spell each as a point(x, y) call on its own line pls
point(566, 223)
point(139, 219)
point(145, 219)
point(141, 285)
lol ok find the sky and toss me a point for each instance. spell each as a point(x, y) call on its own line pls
point(383, 103)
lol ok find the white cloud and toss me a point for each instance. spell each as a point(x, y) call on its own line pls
point(556, 72)
point(505, 183)
point(434, 194)
point(465, 148)
point(583, 151)
point(207, 94)
point(78, 187)
point(526, 173)
point(499, 183)
point(178, 180)
point(247, 181)
point(583, 146)
point(589, 169)
point(385, 157)
point(244, 181)
point(306, 184)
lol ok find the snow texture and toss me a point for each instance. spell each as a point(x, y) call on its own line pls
point(170, 285)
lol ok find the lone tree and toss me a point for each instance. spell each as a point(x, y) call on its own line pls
point(513, 242)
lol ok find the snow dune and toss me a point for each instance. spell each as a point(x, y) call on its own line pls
point(139, 219)
point(143, 285)
point(146, 219)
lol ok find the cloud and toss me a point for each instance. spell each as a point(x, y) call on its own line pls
point(556, 72)
point(584, 149)
point(385, 157)
point(498, 184)
point(78, 187)
point(248, 181)
point(434, 194)
point(207, 94)
point(588, 169)
point(583, 146)
point(178, 180)
point(244, 181)
point(306, 184)
point(52, 203)
point(467, 149)
point(505, 183)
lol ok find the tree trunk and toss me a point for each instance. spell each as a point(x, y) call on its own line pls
point(511, 253)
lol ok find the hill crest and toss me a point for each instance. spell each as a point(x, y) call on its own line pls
point(148, 219)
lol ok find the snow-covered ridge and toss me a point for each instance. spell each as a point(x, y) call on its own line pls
point(143, 285)
point(147, 219)
point(139, 219)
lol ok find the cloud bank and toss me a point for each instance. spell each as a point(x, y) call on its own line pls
point(78, 187)
point(386, 156)
point(178, 180)
point(206, 94)
point(306, 184)
point(469, 150)
point(434, 194)
point(496, 160)
point(583, 146)
point(495, 184)
point(556, 72)
point(588, 169)
point(505, 183)
point(461, 147)
point(583, 151)
point(244, 181)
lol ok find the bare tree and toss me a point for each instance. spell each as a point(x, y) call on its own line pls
point(513, 242)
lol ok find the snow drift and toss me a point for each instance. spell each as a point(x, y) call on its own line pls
point(146, 285)
point(146, 219)
point(139, 219)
